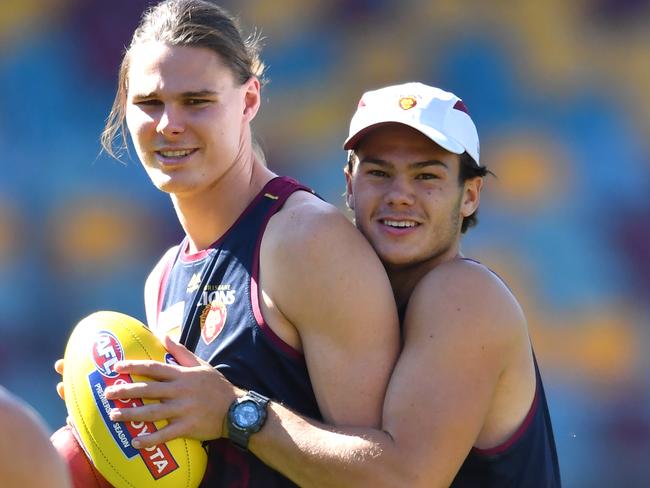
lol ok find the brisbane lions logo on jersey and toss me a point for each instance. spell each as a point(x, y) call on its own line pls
point(212, 320)
point(214, 300)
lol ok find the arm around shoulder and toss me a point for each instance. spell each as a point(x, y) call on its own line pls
point(327, 281)
point(457, 345)
point(461, 332)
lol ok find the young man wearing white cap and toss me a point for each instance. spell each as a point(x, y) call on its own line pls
point(465, 405)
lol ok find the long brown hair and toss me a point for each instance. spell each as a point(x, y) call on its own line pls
point(195, 23)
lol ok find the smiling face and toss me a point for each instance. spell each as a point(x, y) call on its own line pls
point(188, 117)
point(406, 197)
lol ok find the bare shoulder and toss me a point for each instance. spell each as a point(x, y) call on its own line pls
point(471, 297)
point(313, 261)
point(304, 214)
point(321, 280)
point(25, 438)
point(307, 225)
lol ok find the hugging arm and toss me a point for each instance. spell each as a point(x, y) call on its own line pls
point(439, 395)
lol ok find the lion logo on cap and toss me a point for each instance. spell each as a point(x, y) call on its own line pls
point(407, 102)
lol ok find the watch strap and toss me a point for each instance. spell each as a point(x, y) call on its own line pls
point(261, 400)
point(240, 436)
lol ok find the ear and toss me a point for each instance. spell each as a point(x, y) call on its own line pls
point(471, 196)
point(349, 199)
point(252, 98)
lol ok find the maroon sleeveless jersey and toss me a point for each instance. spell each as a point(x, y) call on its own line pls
point(215, 291)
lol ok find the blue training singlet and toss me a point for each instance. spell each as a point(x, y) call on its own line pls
point(215, 294)
point(528, 459)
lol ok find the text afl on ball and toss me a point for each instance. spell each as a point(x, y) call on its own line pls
point(95, 345)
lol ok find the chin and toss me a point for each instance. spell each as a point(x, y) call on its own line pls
point(159, 179)
point(181, 189)
point(164, 186)
point(403, 258)
point(396, 260)
point(169, 183)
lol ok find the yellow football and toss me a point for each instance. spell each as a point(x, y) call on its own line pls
point(95, 345)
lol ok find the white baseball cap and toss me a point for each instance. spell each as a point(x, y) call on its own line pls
point(440, 115)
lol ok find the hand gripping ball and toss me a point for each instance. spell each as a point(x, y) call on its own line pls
point(95, 345)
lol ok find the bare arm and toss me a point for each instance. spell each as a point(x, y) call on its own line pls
point(321, 281)
point(463, 334)
point(325, 280)
point(458, 344)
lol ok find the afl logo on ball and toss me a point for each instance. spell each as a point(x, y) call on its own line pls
point(107, 350)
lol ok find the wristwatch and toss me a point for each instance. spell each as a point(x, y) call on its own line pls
point(246, 416)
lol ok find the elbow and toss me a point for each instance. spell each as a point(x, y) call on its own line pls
point(394, 467)
point(392, 476)
point(404, 476)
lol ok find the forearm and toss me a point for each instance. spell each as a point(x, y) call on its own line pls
point(312, 454)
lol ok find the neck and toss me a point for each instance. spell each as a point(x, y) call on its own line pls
point(404, 278)
point(207, 215)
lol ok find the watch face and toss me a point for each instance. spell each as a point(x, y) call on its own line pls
point(246, 414)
